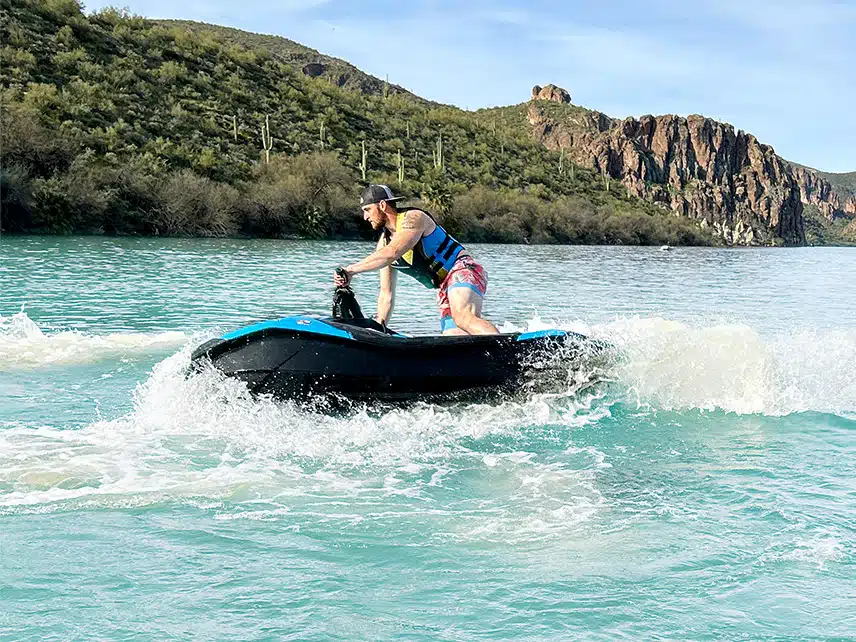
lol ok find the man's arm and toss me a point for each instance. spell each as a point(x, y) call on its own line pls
point(386, 295)
point(408, 235)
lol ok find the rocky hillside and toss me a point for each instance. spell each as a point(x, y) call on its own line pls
point(726, 180)
point(703, 169)
point(111, 122)
point(833, 201)
point(114, 124)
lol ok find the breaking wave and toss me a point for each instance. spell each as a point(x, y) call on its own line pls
point(731, 367)
point(23, 344)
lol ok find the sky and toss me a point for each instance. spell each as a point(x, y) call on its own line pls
point(784, 70)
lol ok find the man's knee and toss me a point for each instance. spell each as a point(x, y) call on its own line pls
point(464, 316)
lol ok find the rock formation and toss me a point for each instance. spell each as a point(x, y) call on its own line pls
point(698, 167)
point(551, 92)
point(314, 69)
point(815, 190)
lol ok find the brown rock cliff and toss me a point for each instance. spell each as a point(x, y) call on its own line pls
point(698, 167)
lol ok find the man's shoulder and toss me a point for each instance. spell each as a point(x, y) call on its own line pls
point(412, 219)
point(413, 211)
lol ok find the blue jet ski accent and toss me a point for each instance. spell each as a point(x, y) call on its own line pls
point(535, 334)
point(301, 324)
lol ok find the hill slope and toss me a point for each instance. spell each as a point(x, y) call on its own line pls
point(843, 183)
point(113, 123)
point(304, 59)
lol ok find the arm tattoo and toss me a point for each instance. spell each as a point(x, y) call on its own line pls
point(412, 220)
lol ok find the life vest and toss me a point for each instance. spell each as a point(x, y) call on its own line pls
point(431, 258)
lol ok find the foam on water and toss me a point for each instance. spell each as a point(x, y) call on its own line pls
point(205, 439)
point(23, 344)
point(729, 366)
point(660, 363)
point(819, 548)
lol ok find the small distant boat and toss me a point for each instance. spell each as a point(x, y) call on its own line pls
point(665, 248)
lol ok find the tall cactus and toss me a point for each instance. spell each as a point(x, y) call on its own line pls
point(438, 153)
point(267, 140)
point(562, 162)
point(322, 132)
point(235, 127)
point(400, 169)
point(363, 165)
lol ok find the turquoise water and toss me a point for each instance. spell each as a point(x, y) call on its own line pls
point(706, 489)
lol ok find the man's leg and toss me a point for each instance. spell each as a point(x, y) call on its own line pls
point(465, 303)
point(448, 327)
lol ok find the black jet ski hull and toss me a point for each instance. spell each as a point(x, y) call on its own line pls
point(307, 357)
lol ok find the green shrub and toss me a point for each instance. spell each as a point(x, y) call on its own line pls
point(15, 197)
point(29, 145)
point(195, 205)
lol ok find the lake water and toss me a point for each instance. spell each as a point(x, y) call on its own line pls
point(706, 489)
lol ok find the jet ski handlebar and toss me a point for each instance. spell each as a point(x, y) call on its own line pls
point(347, 310)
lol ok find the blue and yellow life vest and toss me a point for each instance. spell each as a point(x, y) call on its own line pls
point(431, 258)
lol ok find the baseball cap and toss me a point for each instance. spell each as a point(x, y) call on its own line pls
point(377, 193)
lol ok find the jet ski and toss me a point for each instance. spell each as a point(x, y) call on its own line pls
point(349, 358)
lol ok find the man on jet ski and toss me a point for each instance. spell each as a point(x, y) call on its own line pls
point(412, 241)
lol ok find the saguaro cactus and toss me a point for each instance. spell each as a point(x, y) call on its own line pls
point(267, 140)
point(400, 168)
point(322, 132)
point(235, 127)
point(438, 153)
point(363, 165)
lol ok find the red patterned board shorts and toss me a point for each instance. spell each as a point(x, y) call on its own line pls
point(465, 273)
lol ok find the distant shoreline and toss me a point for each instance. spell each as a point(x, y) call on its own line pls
point(367, 240)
